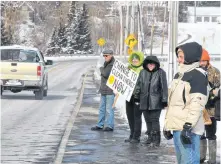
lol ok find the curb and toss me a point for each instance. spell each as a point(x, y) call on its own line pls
point(61, 149)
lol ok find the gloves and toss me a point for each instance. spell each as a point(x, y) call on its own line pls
point(167, 134)
point(164, 104)
point(185, 135)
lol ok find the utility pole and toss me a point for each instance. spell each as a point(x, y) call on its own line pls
point(132, 18)
point(141, 25)
point(175, 35)
point(121, 30)
point(194, 11)
point(164, 27)
point(138, 33)
point(172, 38)
point(126, 31)
point(152, 29)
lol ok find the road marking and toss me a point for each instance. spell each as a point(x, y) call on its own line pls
point(61, 150)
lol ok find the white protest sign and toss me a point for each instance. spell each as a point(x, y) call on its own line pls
point(122, 80)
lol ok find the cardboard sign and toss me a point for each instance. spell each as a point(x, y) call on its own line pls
point(122, 80)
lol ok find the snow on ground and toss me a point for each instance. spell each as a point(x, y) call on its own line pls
point(199, 31)
point(69, 58)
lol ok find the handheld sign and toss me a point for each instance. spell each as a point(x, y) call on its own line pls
point(122, 80)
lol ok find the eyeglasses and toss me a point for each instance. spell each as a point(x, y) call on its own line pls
point(105, 56)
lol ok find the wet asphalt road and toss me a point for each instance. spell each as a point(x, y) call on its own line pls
point(31, 129)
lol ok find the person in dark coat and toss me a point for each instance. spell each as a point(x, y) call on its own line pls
point(216, 93)
point(151, 93)
point(107, 95)
point(213, 75)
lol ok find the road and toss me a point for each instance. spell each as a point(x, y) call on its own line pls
point(31, 129)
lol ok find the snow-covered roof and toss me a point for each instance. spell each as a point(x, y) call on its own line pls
point(205, 11)
point(19, 47)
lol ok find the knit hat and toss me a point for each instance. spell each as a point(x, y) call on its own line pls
point(135, 56)
point(205, 55)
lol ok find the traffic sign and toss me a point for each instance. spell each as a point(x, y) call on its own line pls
point(131, 41)
point(129, 50)
point(101, 41)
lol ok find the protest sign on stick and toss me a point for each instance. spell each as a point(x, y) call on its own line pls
point(122, 80)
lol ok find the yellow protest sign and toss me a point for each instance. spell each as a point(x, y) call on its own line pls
point(101, 41)
point(131, 41)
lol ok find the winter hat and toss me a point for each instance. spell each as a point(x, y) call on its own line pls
point(108, 52)
point(205, 55)
point(135, 56)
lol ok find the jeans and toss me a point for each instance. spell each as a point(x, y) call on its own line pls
point(187, 153)
point(106, 108)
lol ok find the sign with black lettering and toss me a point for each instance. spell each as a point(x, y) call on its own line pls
point(122, 80)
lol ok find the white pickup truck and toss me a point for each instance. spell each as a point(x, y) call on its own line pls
point(24, 68)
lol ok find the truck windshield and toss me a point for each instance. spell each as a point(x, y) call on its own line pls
point(17, 55)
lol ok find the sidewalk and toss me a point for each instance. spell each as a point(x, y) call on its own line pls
point(92, 147)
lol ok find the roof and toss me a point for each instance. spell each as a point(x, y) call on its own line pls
point(19, 47)
point(205, 11)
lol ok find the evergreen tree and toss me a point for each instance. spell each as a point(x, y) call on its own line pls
point(84, 42)
point(52, 46)
point(6, 38)
point(61, 39)
point(71, 13)
point(72, 30)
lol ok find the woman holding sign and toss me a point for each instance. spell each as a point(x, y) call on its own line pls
point(135, 63)
point(150, 96)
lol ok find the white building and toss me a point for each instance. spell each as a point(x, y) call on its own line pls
point(204, 14)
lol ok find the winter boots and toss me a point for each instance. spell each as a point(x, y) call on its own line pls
point(156, 138)
point(212, 151)
point(135, 140)
point(128, 139)
point(203, 149)
point(148, 140)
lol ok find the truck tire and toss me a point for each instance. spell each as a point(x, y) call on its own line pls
point(46, 90)
point(39, 94)
point(45, 94)
point(1, 90)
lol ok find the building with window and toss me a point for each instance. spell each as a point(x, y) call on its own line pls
point(203, 14)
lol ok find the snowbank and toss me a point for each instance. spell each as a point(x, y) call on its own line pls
point(69, 58)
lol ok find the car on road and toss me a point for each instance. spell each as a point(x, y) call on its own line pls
point(24, 68)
